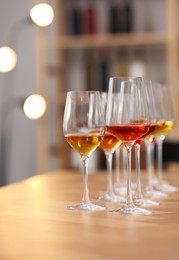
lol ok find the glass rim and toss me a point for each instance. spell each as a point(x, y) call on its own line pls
point(83, 91)
point(127, 77)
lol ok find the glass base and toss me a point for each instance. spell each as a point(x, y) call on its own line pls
point(110, 197)
point(154, 181)
point(165, 187)
point(145, 202)
point(130, 210)
point(123, 190)
point(155, 194)
point(86, 206)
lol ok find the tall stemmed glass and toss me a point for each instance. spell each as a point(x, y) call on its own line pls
point(139, 200)
point(127, 118)
point(109, 145)
point(150, 190)
point(120, 185)
point(117, 183)
point(165, 108)
point(84, 129)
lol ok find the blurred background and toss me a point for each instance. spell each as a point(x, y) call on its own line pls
point(74, 45)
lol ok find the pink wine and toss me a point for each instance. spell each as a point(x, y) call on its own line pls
point(127, 133)
point(152, 128)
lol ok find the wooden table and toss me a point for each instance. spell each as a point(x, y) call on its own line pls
point(35, 224)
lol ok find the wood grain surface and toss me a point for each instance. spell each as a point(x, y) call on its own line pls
point(35, 224)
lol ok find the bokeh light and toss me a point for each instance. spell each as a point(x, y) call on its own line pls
point(34, 106)
point(42, 14)
point(8, 59)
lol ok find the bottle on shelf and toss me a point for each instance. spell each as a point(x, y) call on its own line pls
point(121, 17)
point(113, 17)
point(125, 19)
point(103, 69)
point(123, 62)
point(138, 63)
point(76, 18)
point(89, 18)
point(90, 69)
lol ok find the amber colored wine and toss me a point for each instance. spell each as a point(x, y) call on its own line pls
point(84, 144)
point(109, 143)
point(163, 127)
point(127, 133)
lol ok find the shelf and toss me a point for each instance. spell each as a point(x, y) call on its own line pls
point(55, 46)
point(109, 40)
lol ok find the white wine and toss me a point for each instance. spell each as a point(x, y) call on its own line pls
point(84, 144)
point(163, 127)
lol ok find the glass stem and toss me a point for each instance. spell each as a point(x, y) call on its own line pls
point(85, 198)
point(124, 164)
point(137, 161)
point(159, 159)
point(152, 145)
point(109, 172)
point(129, 192)
point(149, 165)
point(117, 166)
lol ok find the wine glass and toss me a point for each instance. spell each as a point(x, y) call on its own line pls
point(120, 184)
point(109, 145)
point(139, 200)
point(84, 129)
point(149, 141)
point(117, 183)
point(166, 111)
point(150, 190)
point(127, 118)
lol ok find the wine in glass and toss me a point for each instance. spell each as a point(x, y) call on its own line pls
point(139, 199)
point(84, 129)
point(109, 145)
point(149, 141)
point(127, 118)
point(166, 113)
